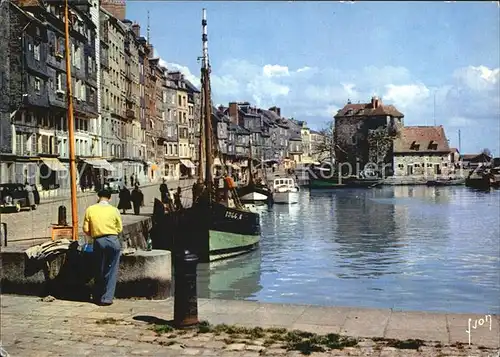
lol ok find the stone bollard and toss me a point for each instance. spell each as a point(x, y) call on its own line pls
point(185, 295)
point(61, 216)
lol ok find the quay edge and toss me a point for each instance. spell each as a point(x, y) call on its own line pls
point(446, 331)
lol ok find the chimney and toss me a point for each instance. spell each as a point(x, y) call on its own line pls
point(376, 102)
point(233, 112)
point(276, 110)
point(136, 28)
point(115, 7)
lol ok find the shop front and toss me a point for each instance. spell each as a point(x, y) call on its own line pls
point(187, 168)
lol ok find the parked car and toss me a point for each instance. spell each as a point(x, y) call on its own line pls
point(114, 184)
point(15, 196)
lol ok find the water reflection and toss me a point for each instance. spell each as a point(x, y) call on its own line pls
point(367, 245)
point(237, 278)
point(418, 248)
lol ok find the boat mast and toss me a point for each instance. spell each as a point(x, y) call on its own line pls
point(250, 164)
point(207, 108)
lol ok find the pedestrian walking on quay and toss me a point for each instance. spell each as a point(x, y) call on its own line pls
point(103, 223)
point(137, 199)
point(177, 199)
point(31, 195)
point(164, 192)
point(124, 200)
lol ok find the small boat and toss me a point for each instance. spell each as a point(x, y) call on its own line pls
point(254, 192)
point(484, 178)
point(449, 182)
point(285, 190)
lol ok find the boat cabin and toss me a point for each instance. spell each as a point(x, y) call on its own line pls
point(284, 182)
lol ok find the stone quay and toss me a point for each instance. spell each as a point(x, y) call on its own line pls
point(48, 327)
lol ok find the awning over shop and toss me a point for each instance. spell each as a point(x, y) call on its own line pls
point(217, 162)
point(54, 164)
point(100, 164)
point(236, 167)
point(188, 163)
point(244, 164)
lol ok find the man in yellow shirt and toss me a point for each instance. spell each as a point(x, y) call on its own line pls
point(103, 223)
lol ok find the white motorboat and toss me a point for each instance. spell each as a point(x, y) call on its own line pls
point(254, 197)
point(285, 190)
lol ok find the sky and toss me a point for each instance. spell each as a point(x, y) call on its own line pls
point(437, 62)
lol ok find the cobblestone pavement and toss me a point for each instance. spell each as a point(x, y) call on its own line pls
point(27, 225)
point(41, 327)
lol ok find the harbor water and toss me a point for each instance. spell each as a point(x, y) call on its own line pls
point(400, 247)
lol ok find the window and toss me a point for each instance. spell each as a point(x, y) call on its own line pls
point(59, 86)
point(92, 96)
point(38, 85)
point(45, 144)
point(36, 51)
point(83, 91)
point(179, 98)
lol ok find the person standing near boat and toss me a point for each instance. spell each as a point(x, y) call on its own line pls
point(164, 192)
point(103, 223)
point(177, 199)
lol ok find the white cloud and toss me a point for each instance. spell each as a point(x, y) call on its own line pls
point(275, 71)
point(478, 78)
point(406, 95)
point(304, 69)
point(469, 101)
point(184, 70)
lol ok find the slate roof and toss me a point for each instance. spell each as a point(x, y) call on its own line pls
point(421, 139)
point(191, 86)
point(238, 129)
point(476, 157)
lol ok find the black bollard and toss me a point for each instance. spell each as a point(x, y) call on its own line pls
point(61, 216)
point(185, 295)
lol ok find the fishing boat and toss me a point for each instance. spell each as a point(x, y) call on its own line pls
point(254, 192)
point(448, 182)
point(285, 190)
point(217, 225)
point(484, 178)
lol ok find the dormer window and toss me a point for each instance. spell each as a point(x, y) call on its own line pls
point(415, 146)
point(432, 145)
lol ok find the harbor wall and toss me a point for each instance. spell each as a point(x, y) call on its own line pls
point(143, 274)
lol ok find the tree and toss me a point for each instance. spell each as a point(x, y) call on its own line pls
point(324, 148)
point(379, 143)
point(486, 152)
